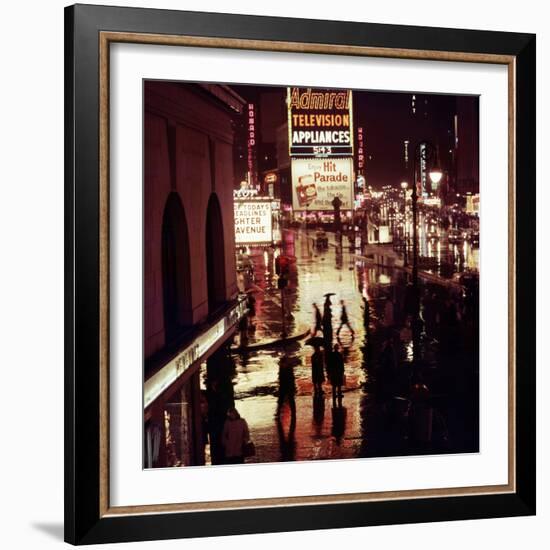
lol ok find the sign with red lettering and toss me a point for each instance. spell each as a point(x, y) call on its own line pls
point(315, 183)
point(251, 143)
point(360, 150)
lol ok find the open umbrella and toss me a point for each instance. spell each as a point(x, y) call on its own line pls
point(315, 341)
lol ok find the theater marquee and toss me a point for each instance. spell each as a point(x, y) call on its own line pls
point(253, 221)
point(320, 122)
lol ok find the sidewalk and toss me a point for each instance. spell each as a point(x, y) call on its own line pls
point(384, 255)
point(270, 343)
point(264, 329)
point(272, 380)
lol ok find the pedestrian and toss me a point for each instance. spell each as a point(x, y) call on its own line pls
point(317, 370)
point(366, 313)
point(388, 312)
point(243, 331)
point(429, 313)
point(318, 327)
point(251, 304)
point(388, 358)
point(287, 386)
point(448, 324)
point(386, 373)
point(449, 316)
point(344, 320)
point(235, 436)
point(336, 374)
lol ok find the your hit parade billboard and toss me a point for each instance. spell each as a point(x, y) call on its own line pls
point(315, 183)
point(320, 122)
point(253, 221)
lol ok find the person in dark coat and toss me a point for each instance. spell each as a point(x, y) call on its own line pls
point(318, 320)
point(366, 313)
point(251, 304)
point(287, 386)
point(344, 320)
point(317, 370)
point(336, 374)
point(235, 435)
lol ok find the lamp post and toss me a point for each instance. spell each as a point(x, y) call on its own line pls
point(425, 157)
point(404, 186)
point(336, 204)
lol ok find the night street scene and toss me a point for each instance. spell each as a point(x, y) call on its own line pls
point(310, 274)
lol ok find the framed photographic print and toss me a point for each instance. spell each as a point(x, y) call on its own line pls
point(299, 274)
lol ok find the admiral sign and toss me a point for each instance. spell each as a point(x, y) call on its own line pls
point(315, 183)
point(320, 122)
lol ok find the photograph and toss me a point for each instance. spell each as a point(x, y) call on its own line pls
point(310, 274)
point(299, 273)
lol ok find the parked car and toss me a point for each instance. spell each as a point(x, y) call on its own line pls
point(433, 235)
point(245, 264)
point(473, 236)
point(321, 239)
point(455, 236)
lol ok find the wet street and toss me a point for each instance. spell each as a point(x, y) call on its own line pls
point(380, 415)
point(447, 247)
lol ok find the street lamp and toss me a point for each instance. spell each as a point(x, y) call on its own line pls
point(425, 154)
point(435, 175)
point(336, 204)
point(404, 186)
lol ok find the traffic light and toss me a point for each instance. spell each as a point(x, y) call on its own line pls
point(282, 264)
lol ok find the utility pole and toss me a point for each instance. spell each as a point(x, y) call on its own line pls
point(281, 268)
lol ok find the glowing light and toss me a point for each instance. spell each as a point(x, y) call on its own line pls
point(435, 175)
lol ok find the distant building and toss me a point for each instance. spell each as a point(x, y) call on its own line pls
point(467, 145)
point(283, 164)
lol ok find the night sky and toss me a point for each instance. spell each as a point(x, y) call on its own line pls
point(388, 119)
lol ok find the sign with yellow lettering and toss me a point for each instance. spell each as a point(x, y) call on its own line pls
point(320, 122)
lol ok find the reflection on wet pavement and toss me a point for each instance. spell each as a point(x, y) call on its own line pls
point(379, 416)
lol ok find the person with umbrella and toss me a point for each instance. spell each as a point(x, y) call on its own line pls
point(318, 320)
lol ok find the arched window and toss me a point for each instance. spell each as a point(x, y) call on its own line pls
point(176, 276)
point(215, 256)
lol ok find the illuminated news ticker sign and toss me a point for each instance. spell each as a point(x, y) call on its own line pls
point(195, 351)
point(270, 179)
point(315, 183)
point(320, 122)
point(253, 221)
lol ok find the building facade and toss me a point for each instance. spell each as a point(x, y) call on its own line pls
point(190, 290)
